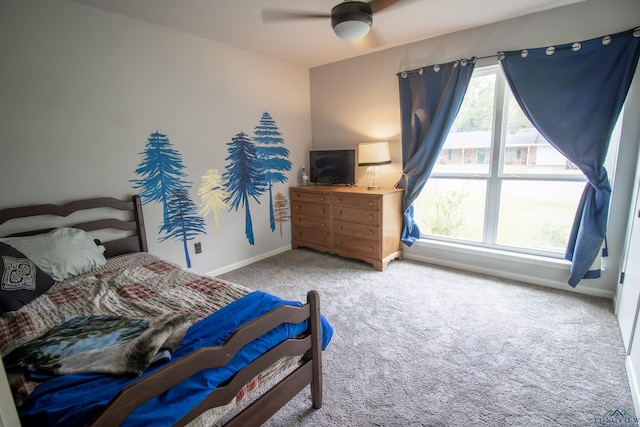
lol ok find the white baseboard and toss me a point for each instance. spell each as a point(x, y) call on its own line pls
point(510, 275)
point(248, 261)
point(633, 384)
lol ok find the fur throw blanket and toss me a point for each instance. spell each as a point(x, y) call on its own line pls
point(101, 344)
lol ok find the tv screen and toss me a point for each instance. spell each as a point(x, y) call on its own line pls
point(332, 167)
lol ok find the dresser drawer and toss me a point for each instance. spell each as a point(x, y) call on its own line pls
point(361, 216)
point(316, 223)
point(360, 231)
point(310, 209)
point(364, 247)
point(318, 198)
point(351, 201)
point(311, 236)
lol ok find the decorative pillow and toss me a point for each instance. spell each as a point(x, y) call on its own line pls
point(61, 253)
point(21, 279)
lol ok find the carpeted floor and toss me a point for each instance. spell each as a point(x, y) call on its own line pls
point(421, 345)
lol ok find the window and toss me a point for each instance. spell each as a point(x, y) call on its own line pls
point(498, 182)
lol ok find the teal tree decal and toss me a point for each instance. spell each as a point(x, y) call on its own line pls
point(184, 223)
point(243, 178)
point(161, 172)
point(273, 157)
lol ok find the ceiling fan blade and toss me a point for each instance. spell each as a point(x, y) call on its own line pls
point(273, 15)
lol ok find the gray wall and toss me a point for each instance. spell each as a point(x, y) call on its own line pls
point(357, 100)
point(82, 89)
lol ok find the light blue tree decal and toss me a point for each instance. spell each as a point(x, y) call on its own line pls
point(161, 171)
point(243, 177)
point(273, 158)
point(183, 223)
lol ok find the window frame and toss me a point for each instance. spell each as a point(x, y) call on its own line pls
point(495, 176)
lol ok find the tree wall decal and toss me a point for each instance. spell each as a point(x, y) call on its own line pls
point(281, 210)
point(161, 171)
point(273, 157)
point(243, 178)
point(212, 195)
point(183, 223)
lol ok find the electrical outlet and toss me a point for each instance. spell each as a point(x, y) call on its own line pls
point(198, 247)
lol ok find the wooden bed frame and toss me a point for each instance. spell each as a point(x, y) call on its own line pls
point(309, 371)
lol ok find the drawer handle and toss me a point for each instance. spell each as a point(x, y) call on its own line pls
point(371, 217)
point(370, 202)
point(370, 232)
point(322, 199)
point(340, 212)
point(324, 225)
point(339, 242)
point(339, 227)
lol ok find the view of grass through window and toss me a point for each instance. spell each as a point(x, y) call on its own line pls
point(499, 185)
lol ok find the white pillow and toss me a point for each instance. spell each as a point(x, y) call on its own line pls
point(61, 253)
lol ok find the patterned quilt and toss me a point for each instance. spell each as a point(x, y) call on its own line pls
point(137, 285)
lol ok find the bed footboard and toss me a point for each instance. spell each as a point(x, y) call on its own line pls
point(309, 372)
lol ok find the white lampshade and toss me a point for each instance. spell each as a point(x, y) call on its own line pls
point(373, 154)
point(352, 30)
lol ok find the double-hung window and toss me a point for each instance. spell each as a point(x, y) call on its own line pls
point(497, 182)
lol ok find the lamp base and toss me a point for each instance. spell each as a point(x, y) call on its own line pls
point(373, 175)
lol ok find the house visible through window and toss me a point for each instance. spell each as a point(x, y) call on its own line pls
point(498, 182)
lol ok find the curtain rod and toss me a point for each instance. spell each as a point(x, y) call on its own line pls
point(635, 31)
point(473, 58)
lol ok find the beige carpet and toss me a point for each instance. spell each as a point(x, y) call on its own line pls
point(420, 345)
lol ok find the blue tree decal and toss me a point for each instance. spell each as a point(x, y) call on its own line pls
point(273, 158)
point(161, 171)
point(243, 177)
point(183, 223)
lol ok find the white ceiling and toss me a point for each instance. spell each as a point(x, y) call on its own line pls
point(311, 42)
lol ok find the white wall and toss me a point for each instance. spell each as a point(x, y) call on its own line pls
point(357, 100)
point(82, 89)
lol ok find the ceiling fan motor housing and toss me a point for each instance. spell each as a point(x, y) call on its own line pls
point(351, 11)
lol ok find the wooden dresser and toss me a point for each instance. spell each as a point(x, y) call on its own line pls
point(348, 221)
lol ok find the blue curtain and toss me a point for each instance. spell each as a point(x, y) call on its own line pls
point(573, 95)
point(429, 102)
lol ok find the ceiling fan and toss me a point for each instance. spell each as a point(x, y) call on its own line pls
point(351, 20)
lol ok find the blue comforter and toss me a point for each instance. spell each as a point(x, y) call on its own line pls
point(73, 400)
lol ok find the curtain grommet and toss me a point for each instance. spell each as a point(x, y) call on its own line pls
point(636, 32)
point(606, 40)
point(420, 71)
point(436, 68)
point(501, 56)
point(576, 47)
point(524, 53)
point(464, 62)
point(550, 50)
point(403, 74)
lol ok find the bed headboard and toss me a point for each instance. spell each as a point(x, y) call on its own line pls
point(134, 241)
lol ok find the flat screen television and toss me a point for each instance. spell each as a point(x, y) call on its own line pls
point(332, 167)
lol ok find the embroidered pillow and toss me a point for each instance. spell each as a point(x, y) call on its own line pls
point(21, 279)
point(61, 253)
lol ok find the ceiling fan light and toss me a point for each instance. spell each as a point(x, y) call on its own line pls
point(351, 20)
point(351, 30)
